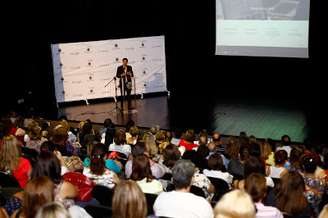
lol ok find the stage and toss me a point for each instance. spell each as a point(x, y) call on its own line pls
point(147, 112)
point(262, 121)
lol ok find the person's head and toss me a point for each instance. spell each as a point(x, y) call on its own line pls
point(129, 201)
point(59, 135)
point(53, 210)
point(38, 192)
point(48, 165)
point(244, 153)
point(150, 143)
point(290, 196)
point(203, 138)
point(232, 149)
point(73, 164)
point(120, 137)
point(295, 156)
point(171, 155)
point(9, 153)
point(253, 165)
point(216, 136)
point(211, 146)
point(215, 162)
point(255, 186)
point(308, 164)
point(108, 123)
point(47, 146)
point(285, 140)
point(235, 204)
point(265, 150)
point(138, 149)
point(97, 165)
point(280, 157)
point(189, 136)
point(255, 150)
point(125, 61)
point(141, 168)
point(182, 174)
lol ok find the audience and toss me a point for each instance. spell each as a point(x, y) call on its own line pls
point(53, 148)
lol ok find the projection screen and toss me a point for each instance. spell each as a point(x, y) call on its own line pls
point(275, 28)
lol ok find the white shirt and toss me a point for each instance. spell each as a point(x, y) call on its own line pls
point(275, 172)
point(218, 174)
point(124, 149)
point(267, 212)
point(182, 205)
point(78, 212)
point(287, 148)
point(153, 187)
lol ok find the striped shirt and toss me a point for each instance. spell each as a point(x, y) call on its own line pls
point(267, 211)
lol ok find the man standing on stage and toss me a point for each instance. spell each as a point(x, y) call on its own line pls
point(125, 74)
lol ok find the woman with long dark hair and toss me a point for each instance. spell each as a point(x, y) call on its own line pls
point(290, 198)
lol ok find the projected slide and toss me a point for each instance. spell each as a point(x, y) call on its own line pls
point(82, 69)
point(276, 28)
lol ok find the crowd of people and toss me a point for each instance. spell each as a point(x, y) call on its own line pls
point(49, 169)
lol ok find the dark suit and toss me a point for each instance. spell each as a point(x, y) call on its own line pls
point(125, 76)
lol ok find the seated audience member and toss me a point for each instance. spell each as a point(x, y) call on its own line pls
point(216, 169)
point(162, 140)
point(120, 144)
point(199, 180)
point(149, 140)
point(231, 151)
point(294, 160)
point(132, 135)
point(107, 133)
point(35, 136)
point(187, 140)
point(266, 153)
point(129, 201)
point(255, 186)
point(253, 165)
point(315, 187)
point(181, 203)
point(157, 170)
point(171, 155)
point(97, 170)
point(49, 165)
point(255, 150)
point(111, 164)
point(236, 166)
point(216, 138)
point(53, 210)
point(60, 140)
point(285, 144)
point(290, 198)
point(235, 204)
point(11, 161)
point(176, 138)
point(141, 173)
point(38, 192)
point(280, 159)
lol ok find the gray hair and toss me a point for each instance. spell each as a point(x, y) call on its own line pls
point(182, 173)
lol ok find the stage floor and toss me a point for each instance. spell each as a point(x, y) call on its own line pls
point(148, 112)
point(262, 121)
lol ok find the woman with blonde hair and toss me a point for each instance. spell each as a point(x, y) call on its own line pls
point(11, 161)
point(53, 210)
point(129, 201)
point(235, 204)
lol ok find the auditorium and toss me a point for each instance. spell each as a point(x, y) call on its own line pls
point(164, 109)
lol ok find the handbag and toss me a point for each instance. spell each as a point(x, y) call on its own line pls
point(82, 183)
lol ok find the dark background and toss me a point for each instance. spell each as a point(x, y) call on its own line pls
point(197, 78)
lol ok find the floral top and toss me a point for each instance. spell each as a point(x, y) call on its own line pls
point(106, 179)
point(201, 181)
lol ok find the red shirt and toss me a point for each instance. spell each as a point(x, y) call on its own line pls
point(22, 172)
point(188, 146)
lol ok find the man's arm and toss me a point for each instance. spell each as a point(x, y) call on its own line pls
point(131, 71)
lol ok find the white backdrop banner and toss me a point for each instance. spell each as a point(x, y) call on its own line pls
point(81, 70)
